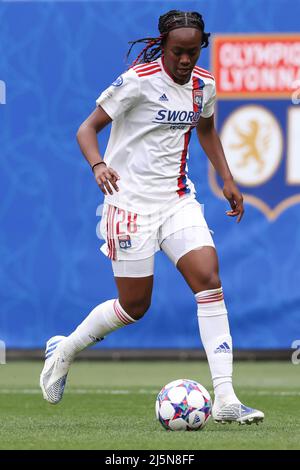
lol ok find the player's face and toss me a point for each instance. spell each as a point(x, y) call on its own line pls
point(181, 52)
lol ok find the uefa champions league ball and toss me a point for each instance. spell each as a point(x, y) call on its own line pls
point(183, 405)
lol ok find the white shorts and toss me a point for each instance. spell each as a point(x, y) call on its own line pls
point(134, 237)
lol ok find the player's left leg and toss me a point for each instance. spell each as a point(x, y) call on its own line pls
point(199, 267)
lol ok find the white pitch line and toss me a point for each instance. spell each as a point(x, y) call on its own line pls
point(99, 391)
point(78, 391)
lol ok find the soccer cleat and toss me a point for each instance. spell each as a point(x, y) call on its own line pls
point(236, 412)
point(54, 374)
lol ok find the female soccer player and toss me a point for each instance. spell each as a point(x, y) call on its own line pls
point(150, 202)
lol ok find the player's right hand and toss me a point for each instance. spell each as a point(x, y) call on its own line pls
point(106, 178)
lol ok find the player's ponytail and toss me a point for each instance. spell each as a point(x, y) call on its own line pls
point(151, 52)
point(172, 20)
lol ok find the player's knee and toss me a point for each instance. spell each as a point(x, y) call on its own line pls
point(137, 308)
point(210, 280)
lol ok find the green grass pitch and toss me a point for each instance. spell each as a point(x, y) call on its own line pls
point(110, 405)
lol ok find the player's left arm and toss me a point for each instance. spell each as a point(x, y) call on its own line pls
point(212, 146)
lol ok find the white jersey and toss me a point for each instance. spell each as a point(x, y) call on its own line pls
point(153, 117)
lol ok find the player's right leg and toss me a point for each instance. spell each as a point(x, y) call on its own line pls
point(133, 302)
point(132, 258)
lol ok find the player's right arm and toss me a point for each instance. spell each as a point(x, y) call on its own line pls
point(118, 98)
point(88, 143)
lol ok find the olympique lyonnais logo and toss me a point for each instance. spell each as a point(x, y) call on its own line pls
point(124, 241)
point(2, 92)
point(256, 66)
point(258, 119)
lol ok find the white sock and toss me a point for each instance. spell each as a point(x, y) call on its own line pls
point(217, 342)
point(103, 319)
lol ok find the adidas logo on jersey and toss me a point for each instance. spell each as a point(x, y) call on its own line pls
point(223, 348)
point(163, 97)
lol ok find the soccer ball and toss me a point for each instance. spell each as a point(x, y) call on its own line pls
point(183, 405)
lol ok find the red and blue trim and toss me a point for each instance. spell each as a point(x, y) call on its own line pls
point(181, 182)
point(198, 86)
point(112, 252)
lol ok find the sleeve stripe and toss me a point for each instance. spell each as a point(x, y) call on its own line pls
point(149, 72)
point(198, 74)
point(199, 69)
point(147, 65)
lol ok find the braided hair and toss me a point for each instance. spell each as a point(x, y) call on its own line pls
point(173, 19)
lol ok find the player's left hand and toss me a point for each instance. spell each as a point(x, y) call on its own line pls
point(235, 198)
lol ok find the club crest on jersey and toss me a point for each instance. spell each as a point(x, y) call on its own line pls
point(124, 241)
point(198, 97)
point(118, 81)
